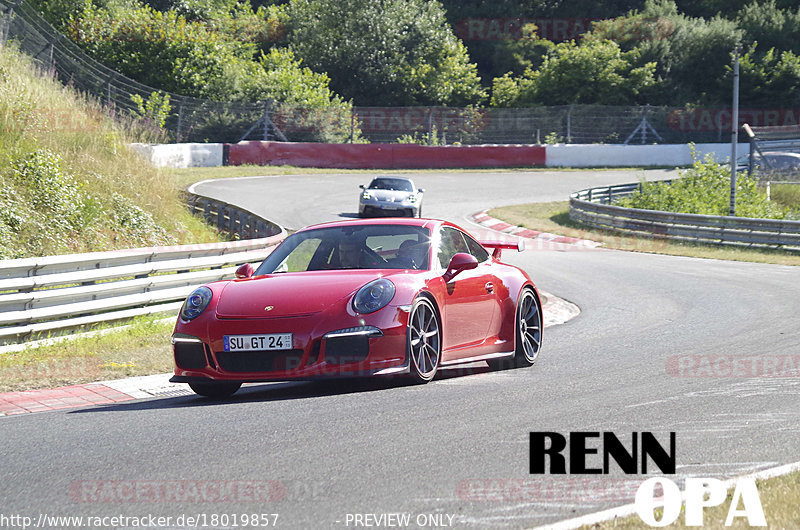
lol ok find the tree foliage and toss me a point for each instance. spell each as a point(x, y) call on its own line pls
point(691, 54)
point(591, 71)
point(770, 26)
point(406, 52)
point(393, 52)
point(227, 57)
point(766, 79)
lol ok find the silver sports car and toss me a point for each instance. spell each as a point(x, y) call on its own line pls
point(394, 196)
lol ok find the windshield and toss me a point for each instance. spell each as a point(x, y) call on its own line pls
point(351, 247)
point(391, 184)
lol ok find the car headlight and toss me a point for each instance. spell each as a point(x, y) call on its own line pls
point(366, 196)
point(196, 303)
point(373, 296)
point(412, 199)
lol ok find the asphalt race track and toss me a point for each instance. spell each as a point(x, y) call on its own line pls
point(453, 453)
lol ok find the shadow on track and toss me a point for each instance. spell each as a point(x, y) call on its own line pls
point(283, 391)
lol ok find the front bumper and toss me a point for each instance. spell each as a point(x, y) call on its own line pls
point(386, 207)
point(345, 346)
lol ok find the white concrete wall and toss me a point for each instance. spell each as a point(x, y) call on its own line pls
point(594, 155)
point(181, 155)
point(559, 155)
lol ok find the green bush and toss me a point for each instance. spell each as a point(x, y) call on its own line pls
point(47, 188)
point(155, 110)
point(705, 189)
point(592, 71)
point(137, 224)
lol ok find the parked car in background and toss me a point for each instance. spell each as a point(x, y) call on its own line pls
point(772, 163)
point(392, 196)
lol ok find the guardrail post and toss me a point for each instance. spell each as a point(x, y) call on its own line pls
point(207, 211)
point(220, 217)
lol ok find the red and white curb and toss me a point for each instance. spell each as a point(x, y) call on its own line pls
point(557, 310)
point(102, 393)
point(541, 240)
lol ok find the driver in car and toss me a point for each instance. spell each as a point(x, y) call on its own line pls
point(407, 256)
point(353, 254)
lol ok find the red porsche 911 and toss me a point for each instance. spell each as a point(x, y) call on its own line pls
point(359, 298)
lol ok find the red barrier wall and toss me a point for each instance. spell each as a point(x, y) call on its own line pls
point(384, 156)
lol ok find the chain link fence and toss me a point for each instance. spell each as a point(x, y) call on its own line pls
point(199, 120)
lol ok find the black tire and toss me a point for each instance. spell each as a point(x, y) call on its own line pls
point(419, 211)
point(529, 326)
point(215, 390)
point(423, 341)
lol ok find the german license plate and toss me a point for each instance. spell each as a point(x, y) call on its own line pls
point(273, 341)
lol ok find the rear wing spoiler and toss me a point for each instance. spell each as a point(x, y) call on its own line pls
point(498, 246)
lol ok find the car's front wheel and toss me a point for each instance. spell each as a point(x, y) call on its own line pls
point(423, 341)
point(215, 390)
point(529, 325)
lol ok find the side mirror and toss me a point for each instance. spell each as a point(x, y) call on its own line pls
point(421, 190)
point(461, 262)
point(245, 271)
point(361, 186)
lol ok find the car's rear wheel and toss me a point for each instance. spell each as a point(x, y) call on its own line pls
point(529, 325)
point(215, 390)
point(423, 341)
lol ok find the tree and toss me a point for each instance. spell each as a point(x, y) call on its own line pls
point(770, 26)
point(389, 52)
point(769, 80)
point(592, 71)
point(201, 58)
point(691, 54)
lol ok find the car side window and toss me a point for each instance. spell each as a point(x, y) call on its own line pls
point(451, 242)
point(476, 249)
point(301, 256)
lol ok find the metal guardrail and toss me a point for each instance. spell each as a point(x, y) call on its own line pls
point(52, 295)
point(594, 207)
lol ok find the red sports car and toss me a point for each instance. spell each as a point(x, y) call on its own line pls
point(359, 298)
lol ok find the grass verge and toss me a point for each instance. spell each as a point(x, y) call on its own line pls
point(140, 348)
point(778, 498)
point(553, 217)
point(788, 196)
point(68, 180)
